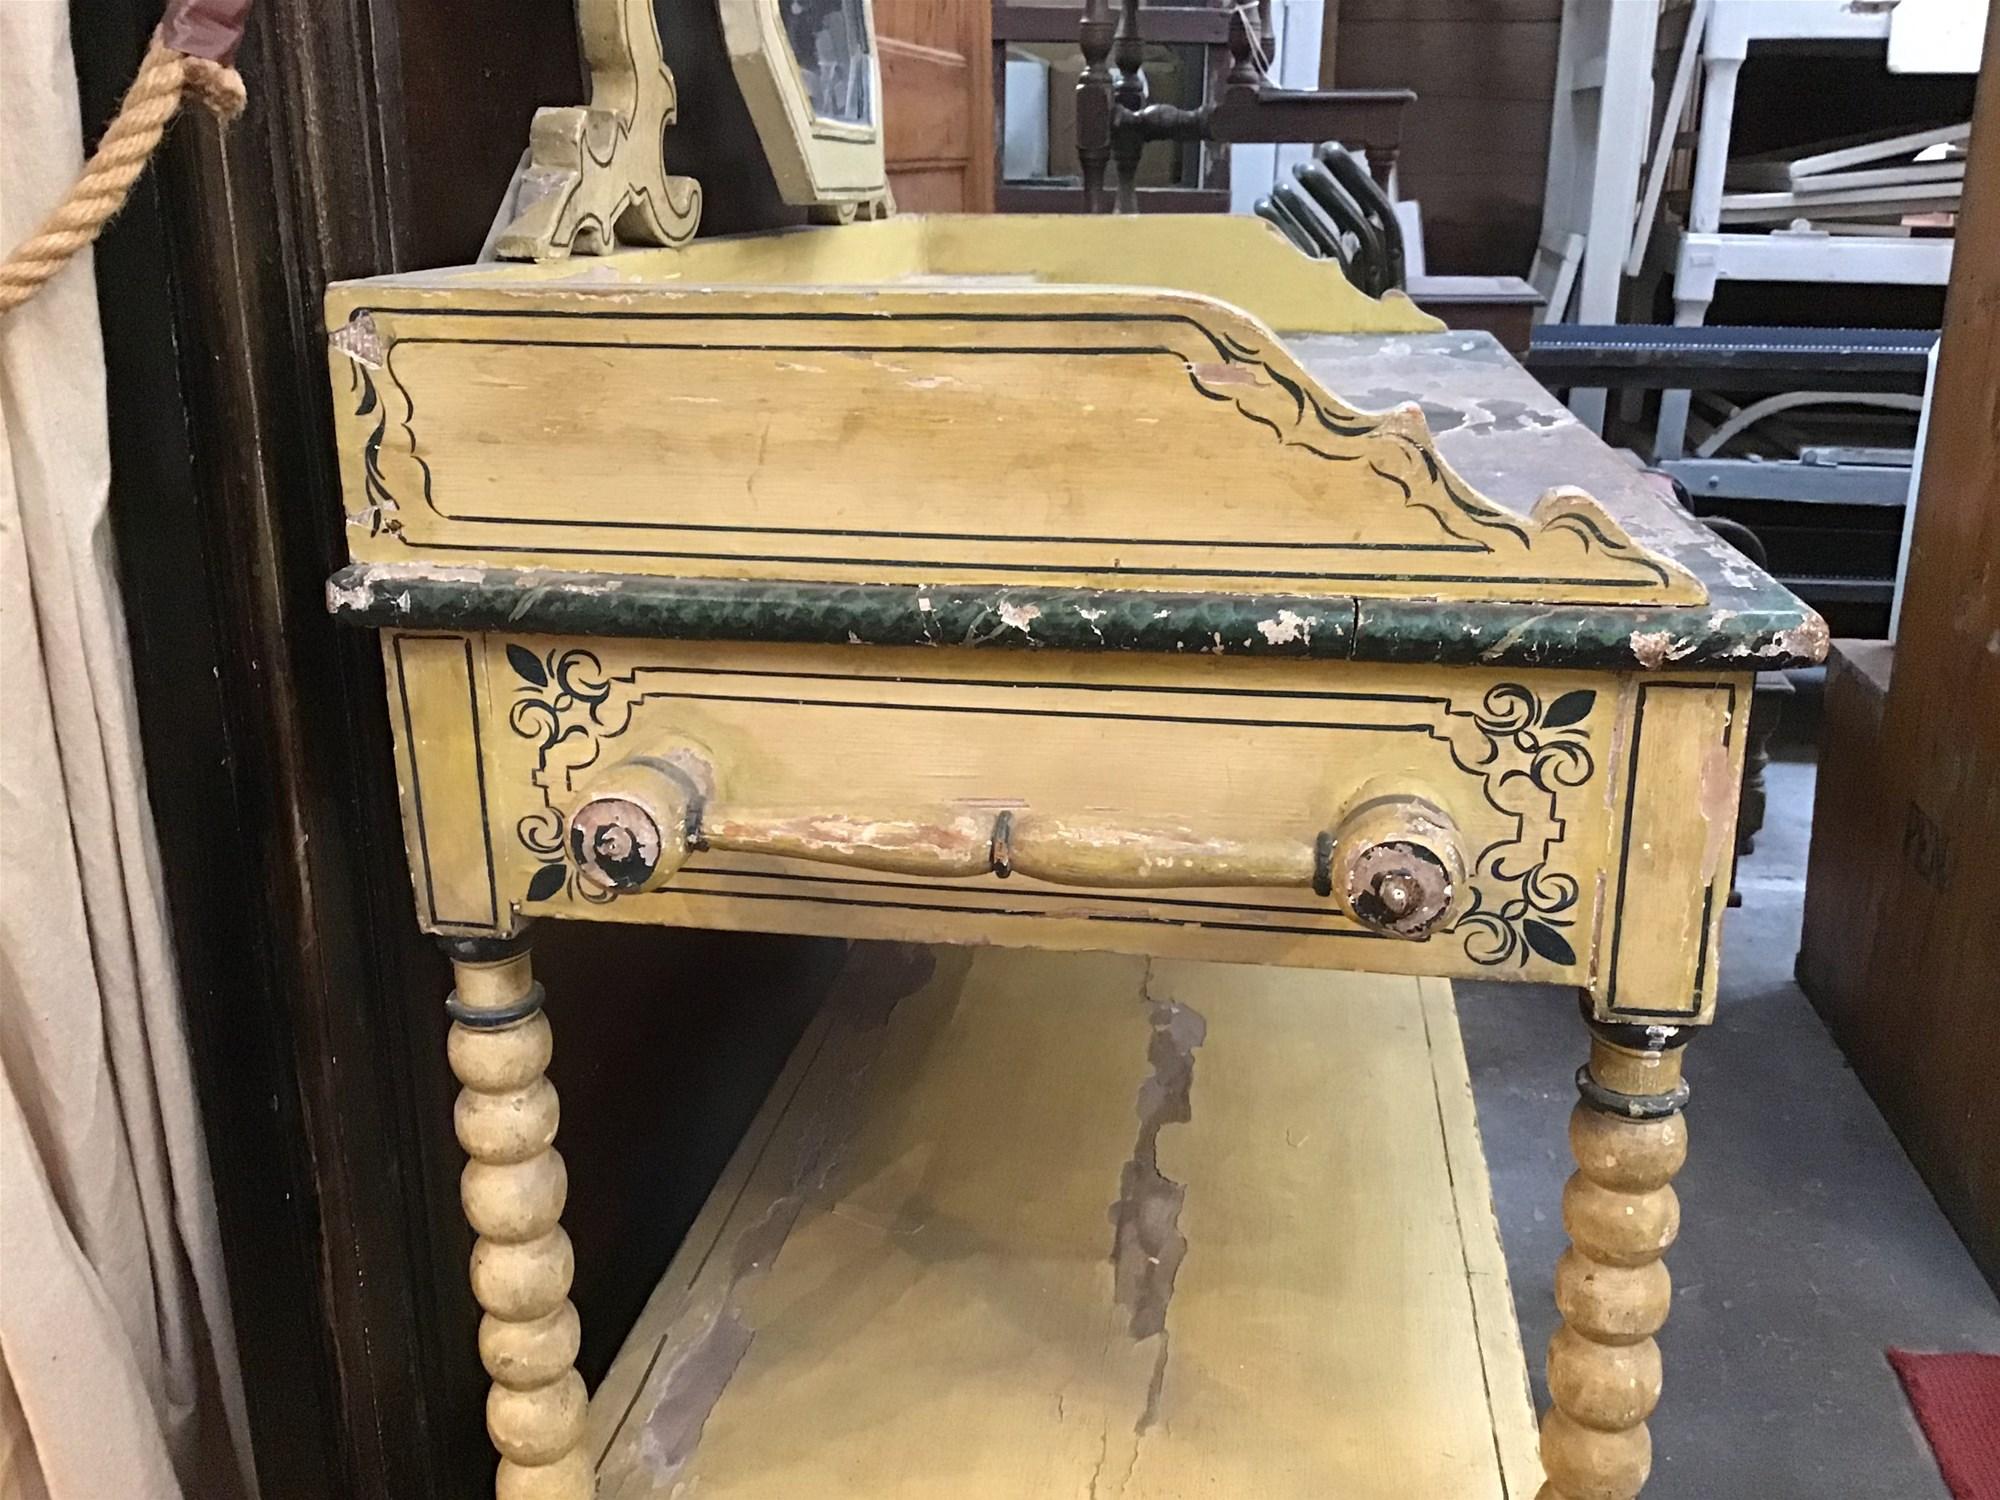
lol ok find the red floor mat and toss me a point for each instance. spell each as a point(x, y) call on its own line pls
point(1957, 1401)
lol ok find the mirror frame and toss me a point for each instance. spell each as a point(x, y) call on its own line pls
point(816, 162)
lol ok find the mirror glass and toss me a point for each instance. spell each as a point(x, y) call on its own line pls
point(830, 46)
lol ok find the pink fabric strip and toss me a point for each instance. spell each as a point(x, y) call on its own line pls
point(205, 28)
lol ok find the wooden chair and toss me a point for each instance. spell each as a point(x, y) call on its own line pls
point(1114, 121)
point(1336, 210)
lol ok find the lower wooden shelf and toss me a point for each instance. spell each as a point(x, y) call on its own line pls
point(1021, 1224)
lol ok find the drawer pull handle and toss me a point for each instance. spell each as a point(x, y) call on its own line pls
point(1393, 862)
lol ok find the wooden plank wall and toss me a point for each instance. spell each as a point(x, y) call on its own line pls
point(1475, 144)
point(1901, 952)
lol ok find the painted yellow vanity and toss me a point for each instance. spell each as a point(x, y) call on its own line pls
point(1119, 586)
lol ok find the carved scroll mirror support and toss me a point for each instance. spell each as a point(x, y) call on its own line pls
point(596, 176)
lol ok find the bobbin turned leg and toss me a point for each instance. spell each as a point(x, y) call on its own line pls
point(513, 1191)
point(1629, 1139)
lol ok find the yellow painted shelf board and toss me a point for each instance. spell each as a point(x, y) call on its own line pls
point(906, 1283)
point(1239, 260)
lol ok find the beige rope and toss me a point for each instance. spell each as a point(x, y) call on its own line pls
point(148, 108)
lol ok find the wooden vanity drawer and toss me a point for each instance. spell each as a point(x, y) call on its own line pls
point(1582, 799)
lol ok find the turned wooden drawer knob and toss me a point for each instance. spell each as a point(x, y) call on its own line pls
point(1399, 863)
point(635, 828)
point(1394, 862)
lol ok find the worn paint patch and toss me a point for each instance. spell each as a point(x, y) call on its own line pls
point(361, 341)
point(1018, 616)
point(1147, 1246)
point(1285, 627)
point(1716, 797)
point(1807, 641)
point(1226, 372)
point(1430, 632)
point(340, 596)
point(700, 1368)
point(1649, 647)
point(1653, 649)
point(1501, 415)
point(703, 1369)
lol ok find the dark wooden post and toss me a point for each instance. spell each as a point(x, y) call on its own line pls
point(1129, 143)
point(1094, 102)
point(1248, 51)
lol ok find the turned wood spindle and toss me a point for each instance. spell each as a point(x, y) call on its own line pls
point(1128, 144)
point(1382, 166)
point(1094, 101)
point(1249, 51)
point(513, 1190)
point(1612, 1287)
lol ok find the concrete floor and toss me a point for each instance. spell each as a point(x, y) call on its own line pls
point(1808, 1243)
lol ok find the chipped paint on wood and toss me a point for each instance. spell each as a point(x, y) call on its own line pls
point(1284, 628)
point(960, 1260)
point(717, 1330)
point(1060, 850)
point(691, 449)
point(940, 789)
point(558, 602)
point(1676, 842)
point(1653, 649)
point(361, 341)
point(941, 844)
point(1147, 1245)
point(1019, 617)
point(1718, 787)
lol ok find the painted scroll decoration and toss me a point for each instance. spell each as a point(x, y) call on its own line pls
point(1303, 415)
point(596, 177)
point(1372, 507)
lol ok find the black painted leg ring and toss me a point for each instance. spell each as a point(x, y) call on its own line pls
point(1630, 1106)
point(1639, 1038)
point(485, 950)
point(1635, 1036)
point(490, 950)
point(495, 1019)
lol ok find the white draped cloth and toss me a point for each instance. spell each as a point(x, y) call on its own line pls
point(118, 1375)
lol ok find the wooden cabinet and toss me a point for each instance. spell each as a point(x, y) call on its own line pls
point(937, 87)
